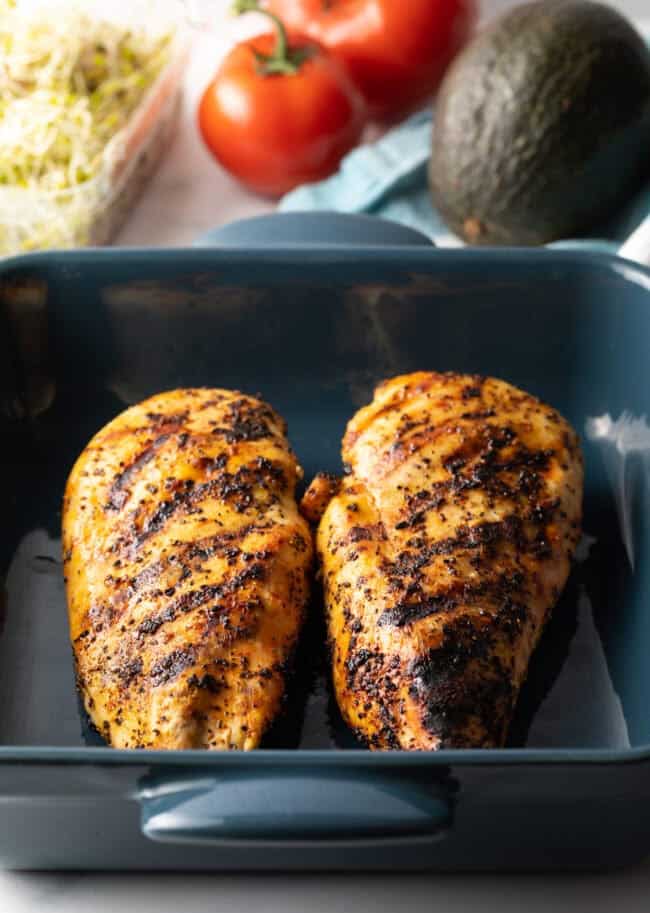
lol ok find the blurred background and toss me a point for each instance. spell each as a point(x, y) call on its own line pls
point(188, 195)
point(189, 192)
point(632, 8)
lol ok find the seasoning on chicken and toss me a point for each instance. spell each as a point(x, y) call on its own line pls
point(443, 554)
point(187, 570)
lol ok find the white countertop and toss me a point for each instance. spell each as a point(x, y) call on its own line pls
point(626, 892)
point(189, 195)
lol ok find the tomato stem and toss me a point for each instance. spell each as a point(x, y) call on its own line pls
point(284, 60)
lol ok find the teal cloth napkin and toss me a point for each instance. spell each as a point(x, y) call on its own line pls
point(389, 178)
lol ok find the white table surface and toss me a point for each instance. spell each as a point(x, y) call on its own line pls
point(188, 195)
point(39, 893)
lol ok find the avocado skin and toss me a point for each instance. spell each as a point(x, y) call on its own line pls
point(542, 124)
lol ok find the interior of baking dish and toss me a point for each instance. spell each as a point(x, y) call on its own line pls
point(84, 334)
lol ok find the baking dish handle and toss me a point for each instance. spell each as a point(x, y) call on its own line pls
point(313, 229)
point(280, 807)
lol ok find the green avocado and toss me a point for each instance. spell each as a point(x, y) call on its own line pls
point(542, 124)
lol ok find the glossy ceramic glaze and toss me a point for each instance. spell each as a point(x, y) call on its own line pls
point(82, 335)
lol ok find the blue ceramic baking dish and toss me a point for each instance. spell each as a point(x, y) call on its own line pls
point(312, 328)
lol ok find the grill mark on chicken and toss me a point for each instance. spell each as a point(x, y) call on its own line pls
point(236, 488)
point(475, 387)
point(485, 534)
point(151, 625)
point(246, 422)
point(482, 445)
point(178, 567)
point(484, 472)
point(118, 494)
point(129, 671)
point(402, 398)
point(169, 432)
point(170, 667)
point(203, 549)
point(159, 420)
point(194, 599)
point(149, 575)
point(206, 682)
point(461, 593)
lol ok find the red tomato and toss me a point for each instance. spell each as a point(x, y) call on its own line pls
point(278, 130)
point(395, 50)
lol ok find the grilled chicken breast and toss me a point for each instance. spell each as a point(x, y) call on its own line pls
point(442, 555)
point(187, 569)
